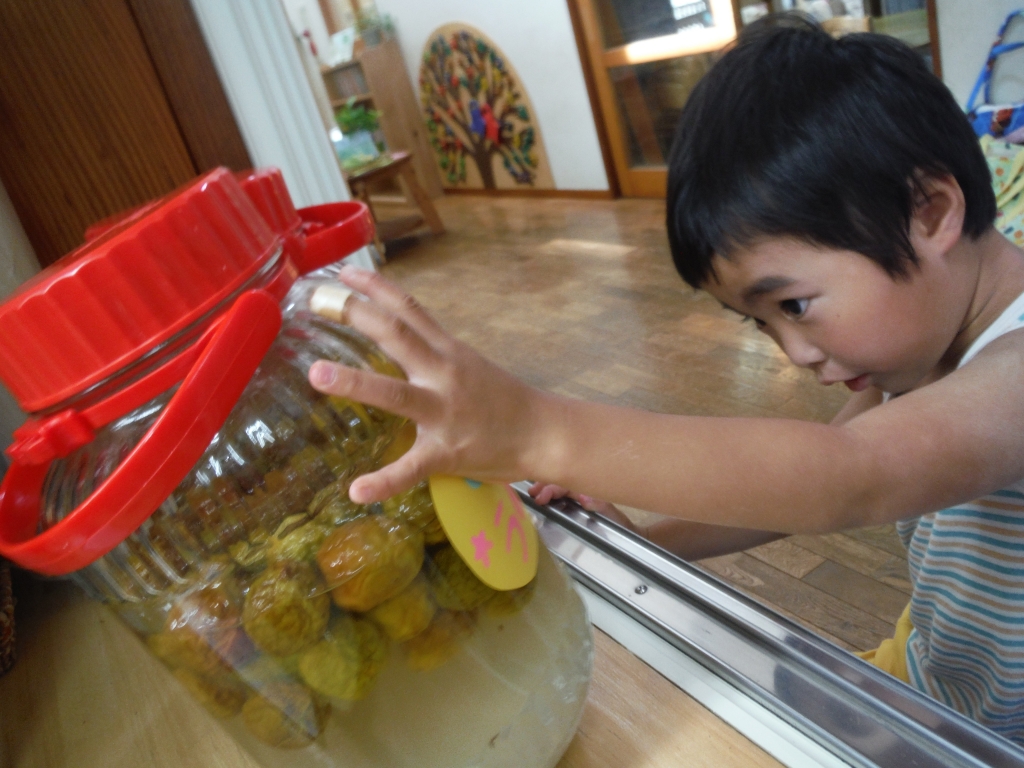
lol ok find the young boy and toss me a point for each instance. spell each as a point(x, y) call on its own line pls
point(833, 192)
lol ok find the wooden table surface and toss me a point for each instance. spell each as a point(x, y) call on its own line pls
point(85, 693)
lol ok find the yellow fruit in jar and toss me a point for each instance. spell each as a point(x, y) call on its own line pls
point(287, 608)
point(223, 697)
point(454, 586)
point(211, 609)
point(296, 538)
point(510, 602)
point(345, 664)
point(251, 555)
point(184, 649)
point(332, 506)
point(440, 641)
point(201, 631)
point(368, 560)
point(400, 445)
point(416, 508)
point(406, 614)
point(285, 715)
point(264, 669)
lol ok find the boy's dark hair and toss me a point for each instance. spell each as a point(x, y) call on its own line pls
point(794, 133)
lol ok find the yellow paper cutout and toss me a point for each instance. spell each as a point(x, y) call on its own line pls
point(489, 527)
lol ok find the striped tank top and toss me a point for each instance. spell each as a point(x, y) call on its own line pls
point(967, 607)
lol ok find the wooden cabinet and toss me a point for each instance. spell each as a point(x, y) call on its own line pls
point(377, 77)
point(104, 104)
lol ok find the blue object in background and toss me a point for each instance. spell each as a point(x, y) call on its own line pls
point(477, 124)
point(354, 149)
point(1004, 121)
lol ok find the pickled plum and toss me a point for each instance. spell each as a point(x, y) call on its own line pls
point(286, 609)
point(406, 614)
point(370, 559)
point(285, 715)
point(510, 602)
point(345, 664)
point(332, 506)
point(223, 696)
point(454, 586)
point(297, 538)
point(416, 508)
point(440, 641)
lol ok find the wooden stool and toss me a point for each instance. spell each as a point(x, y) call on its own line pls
point(396, 164)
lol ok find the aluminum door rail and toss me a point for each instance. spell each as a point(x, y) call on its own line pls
point(850, 707)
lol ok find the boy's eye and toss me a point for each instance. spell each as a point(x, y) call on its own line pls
point(794, 307)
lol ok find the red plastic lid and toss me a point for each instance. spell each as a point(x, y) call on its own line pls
point(104, 305)
point(268, 192)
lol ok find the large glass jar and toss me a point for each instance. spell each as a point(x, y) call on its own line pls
point(199, 485)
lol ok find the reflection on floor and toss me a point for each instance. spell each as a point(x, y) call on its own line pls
point(580, 298)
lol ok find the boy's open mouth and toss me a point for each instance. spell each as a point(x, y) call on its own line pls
point(858, 384)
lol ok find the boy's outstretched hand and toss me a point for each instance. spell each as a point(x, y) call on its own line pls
point(545, 493)
point(472, 418)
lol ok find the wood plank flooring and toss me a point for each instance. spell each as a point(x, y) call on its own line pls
point(579, 297)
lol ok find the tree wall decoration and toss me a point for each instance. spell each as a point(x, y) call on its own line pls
point(479, 119)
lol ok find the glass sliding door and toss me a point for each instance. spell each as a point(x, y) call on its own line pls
point(645, 57)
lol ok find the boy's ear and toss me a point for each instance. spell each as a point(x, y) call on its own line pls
point(938, 219)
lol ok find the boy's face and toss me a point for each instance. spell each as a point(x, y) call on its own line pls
point(839, 313)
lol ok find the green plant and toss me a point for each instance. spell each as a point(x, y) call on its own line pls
point(352, 118)
point(376, 24)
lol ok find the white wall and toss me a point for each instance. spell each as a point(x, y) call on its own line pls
point(255, 55)
point(17, 264)
point(966, 31)
point(537, 37)
point(306, 15)
point(265, 82)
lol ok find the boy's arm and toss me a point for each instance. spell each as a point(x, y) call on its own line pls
point(697, 541)
point(683, 538)
point(945, 443)
point(858, 403)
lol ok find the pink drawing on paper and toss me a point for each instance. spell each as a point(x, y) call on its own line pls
point(482, 548)
point(515, 523)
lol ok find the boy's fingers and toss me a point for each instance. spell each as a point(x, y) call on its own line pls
point(412, 468)
point(592, 505)
point(544, 493)
point(376, 389)
point(394, 299)
point(401, 341)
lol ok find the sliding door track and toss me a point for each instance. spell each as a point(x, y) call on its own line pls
point(848, 710)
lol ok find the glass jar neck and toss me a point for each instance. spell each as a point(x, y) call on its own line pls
point(152, 359)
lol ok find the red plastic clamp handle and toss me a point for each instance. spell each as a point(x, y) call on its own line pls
point(155, 466)
point(333, 231)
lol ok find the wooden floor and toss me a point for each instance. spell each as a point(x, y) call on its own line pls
point(579, 297)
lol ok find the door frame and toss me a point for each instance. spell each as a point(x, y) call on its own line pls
point(623, 178)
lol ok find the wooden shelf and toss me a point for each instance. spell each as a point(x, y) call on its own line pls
point(354, 62)
point(361, 99)
point(378, 75)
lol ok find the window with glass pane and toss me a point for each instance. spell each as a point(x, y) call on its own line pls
point(650, 99)
point(629, 21)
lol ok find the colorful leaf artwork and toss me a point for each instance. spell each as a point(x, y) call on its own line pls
point(476, 109)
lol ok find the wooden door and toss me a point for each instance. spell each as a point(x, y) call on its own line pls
point(104, 104)
point(645, 56)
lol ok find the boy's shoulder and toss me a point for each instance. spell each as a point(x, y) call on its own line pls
point(1002, 338)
